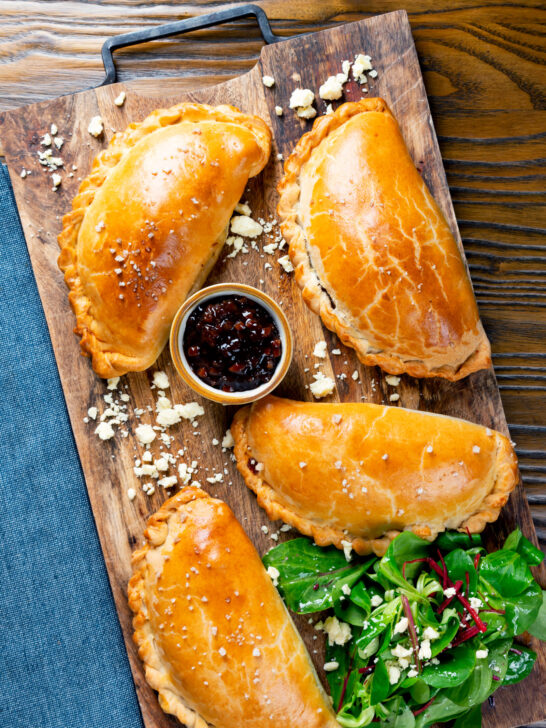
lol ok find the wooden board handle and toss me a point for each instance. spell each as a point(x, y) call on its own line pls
point(183, 26)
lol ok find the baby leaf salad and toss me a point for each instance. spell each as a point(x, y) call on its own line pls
point(423, 635)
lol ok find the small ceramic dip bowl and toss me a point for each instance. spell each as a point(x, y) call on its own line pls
point(231, 343)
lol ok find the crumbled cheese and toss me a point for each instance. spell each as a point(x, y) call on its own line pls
point(401, 626)
point(373, 73)
point(189, 411)
point(112, 383)
point(336, 419)
point(241, 208)
point(475, 603)
point(430, 633)
point(331, 89)
point(268, 81)
point(346, 589)
point(227, 440)
point(476, 449)
point(394, 397)
point(92, 413)
point(96, 126)
point(259, 467)
point(131, 493)
point(347, 547)
point(322, 386)
point(104, 430)
point(245, 226)
point(162, 464)
point(393, 673)
point(429, 448)
point(331, 666)
point(424, 650)
point(120, 100)
point(168, 481)
point(168, 417)
point(303, 464)
point(161, 380)
point(376, 600)
point(222, 651)
point(56, 179)
point(449, 592)
point(354, 375)
point(145, 434)
point(401, 651)
point(488, 432)
point(256, 652)
point(306, 112)
point(392, 380)
point(385, 456)
point(329, 109)
point(361, 64)
point(481, 654)
point(274, 574)
point(301, 97)
point(413, 672)
point(286, 264)
point(320, 350)
point(339, 633)
point(278, 110)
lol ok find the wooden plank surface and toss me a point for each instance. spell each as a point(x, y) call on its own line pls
point(119, 521)
point(483, 67)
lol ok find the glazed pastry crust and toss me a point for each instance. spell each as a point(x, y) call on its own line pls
point(372, 252)
point(148, 224)
point(346, 490)
point(212, 631)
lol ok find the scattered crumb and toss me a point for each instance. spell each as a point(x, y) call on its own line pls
point(279, 110)
point(96, 126)
point(322, 386)
point(392, 380)
point(120, 100)
point(320, 350)
point(268, 81)
point(286, 264)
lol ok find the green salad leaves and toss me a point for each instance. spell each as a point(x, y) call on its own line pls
point(423, 635)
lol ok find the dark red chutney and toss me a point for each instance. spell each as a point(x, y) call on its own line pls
point(232, 343)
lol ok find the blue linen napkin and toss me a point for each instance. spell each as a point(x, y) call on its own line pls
point(62, 658)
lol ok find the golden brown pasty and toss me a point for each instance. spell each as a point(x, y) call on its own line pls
point(372, 252)
point(148, 224)
point(361, 473)
point(216, 640)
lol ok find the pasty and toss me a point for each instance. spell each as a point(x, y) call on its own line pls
point(216, 640)
point(361, 473)
point(372, 252)
point(148, 224)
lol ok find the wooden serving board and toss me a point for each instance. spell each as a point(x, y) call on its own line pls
point(305, 61)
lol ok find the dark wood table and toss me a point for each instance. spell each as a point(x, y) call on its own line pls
point(483, 65)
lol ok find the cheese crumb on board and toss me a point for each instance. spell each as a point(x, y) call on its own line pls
point(302, 101)
point(227, 441)
point(145, 434)
point(322, 386)
point(120, 100)
point(331, 89)
point(286, 264)
point(279, 110)
point(161, 380)
point(243, 209)
point(245, 226)
point(96, 126)
point(104, 430)
point(320, 350)
point(268, 81)
point(392, 380)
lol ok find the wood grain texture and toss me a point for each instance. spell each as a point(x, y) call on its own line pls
point(483, 67)
point(120, 522)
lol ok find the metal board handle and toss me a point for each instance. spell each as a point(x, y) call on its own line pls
point(183, 26)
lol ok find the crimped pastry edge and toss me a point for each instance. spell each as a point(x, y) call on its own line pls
point(156, 675)
point(107, 362)
point(313, 294)
point(487, 512)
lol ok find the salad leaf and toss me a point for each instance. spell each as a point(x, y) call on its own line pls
point(336, 678)
point(453, 669)
point(449, 540)
point(517, 542)
point(378, 621)
point(471, 719)
point(538, 628)
point(380, 683)
point(498, 661)
point(407, 547)
point(522, 611)
point(475, 689)
point(507, 572)
point(520, 663)
point(440, 711)
point(459, 564)
point(309, 574)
